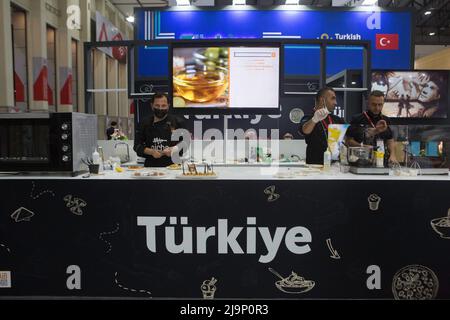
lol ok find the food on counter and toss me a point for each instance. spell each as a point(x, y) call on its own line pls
point(119, 169)
point(174, 166)
point(200, 174)
point(135, 167)
point(208, 170)
point(149, 174)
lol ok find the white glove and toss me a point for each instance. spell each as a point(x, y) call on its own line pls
point(319, 115)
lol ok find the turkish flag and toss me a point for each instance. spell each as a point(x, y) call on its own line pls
point(388, 41)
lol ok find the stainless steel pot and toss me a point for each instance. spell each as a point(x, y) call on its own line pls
point(360, 156)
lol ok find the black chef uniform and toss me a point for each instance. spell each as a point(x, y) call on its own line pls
point(368, 119)
point(317, 140)
point(156, 136)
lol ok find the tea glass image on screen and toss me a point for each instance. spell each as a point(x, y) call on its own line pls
point(413, 94)
point(226, 77)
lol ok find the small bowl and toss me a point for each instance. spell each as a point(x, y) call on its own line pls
point(442, 226)
point(200, 86)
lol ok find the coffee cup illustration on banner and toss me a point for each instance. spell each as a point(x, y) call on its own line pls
point(374, 202)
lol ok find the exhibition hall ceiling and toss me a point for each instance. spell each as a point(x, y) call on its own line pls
point(432, 18)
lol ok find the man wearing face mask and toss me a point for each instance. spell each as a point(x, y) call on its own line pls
point(315, 127)
point(153, 135)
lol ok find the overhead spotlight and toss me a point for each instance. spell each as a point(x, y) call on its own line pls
point(183, 3)
point(238, 2)
point(130, 19)
point(427, 13)
point(292, 2)
point(369, 2)
point(432, 33)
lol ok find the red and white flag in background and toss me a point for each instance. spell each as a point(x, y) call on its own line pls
point(388, 41)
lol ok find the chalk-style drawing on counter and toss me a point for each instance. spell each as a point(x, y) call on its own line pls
point(209, 288)
point(442, 226)
point(374, 202)
point(34, 197)
point(107, 234)
point(116, 275)
point(293, 283)
point(270, 192)
point(5, 247)
point(334, 253)
point(75, 204)
point(22, 214)
point(415, 282)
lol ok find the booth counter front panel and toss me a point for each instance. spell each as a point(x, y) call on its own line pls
point(238, 236)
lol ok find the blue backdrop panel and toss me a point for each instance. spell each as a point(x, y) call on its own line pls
point(341, 25)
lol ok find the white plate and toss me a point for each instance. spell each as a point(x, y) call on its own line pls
point(180, 176)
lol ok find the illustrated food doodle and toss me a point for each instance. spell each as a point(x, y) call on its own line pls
point(128, 289)
point(292, 284)
point(40, 194)
point(75, 204)
point(272, 196)
point(208, 288)
point(374, 202)
point(415, 282)
point(442, 226)
point(108, 233)
point(22, 214)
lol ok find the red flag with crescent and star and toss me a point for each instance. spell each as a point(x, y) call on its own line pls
point(388, 41)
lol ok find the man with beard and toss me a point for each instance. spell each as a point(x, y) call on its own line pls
point(153, 139)
point(315, 127)
point(371, 125)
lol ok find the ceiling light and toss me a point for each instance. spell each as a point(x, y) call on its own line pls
point(427, 13)
point(130, 19)
point(183, 3)
point(369, 2)
point(432, 33)
point(292, 2)
point(238, 2)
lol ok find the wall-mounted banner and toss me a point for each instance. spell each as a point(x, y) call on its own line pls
point(351, 24)
point(106, 31)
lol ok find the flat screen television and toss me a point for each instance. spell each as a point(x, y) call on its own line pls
point(413, 94)
point(224, 77)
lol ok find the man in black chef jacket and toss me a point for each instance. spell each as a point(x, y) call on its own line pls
point(315, 127)
point(371, 125)
point(153, 135)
